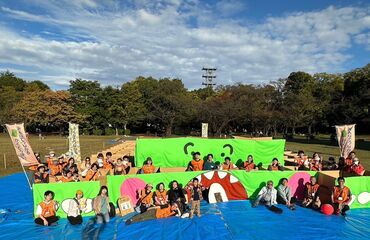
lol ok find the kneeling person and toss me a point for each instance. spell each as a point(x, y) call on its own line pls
point(341, 197)
point(46, 210)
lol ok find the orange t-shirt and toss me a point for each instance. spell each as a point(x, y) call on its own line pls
point(55, 169)
point(249, 166)
point(65, 179)
point(90, 175)
point(164, 213)
point(197, 165)
point(341, 195)
point(48, 209)
point(148, 169)
point(146, 198)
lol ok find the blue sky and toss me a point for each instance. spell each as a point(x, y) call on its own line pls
point(115, 41)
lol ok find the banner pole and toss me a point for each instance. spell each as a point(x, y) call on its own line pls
point(25, 174)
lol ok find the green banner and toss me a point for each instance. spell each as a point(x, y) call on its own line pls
point(177, 152)
point(360, 189)
point(64, 192)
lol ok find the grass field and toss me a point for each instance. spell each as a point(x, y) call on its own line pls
point(89, 145)
point(93, 144)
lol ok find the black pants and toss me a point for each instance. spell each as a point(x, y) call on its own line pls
point(282, 201)
point(51, 219)
point(343, 210)
point(75, 220)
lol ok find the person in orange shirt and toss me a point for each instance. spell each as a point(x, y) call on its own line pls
point(55, 168)
point(160, 196)
point(108, 163)
point(316, 162)
point(249, 164)
point(148, 167)
point(275, 166)
point(312, 194)
point(156, 213)
point(93, 174)
point(66, 177)
point(357, 168)
point(349, 161)
point(46, 210)
point(41, 176)
point(145, 198)
point(340, 197)
point(196, 164)
point(301, 160)
point(228, 165)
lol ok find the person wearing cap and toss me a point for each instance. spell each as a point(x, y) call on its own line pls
point(41, 176)
point(75, 209)
point(145, 198)
point(197, 163)
point(148, 167)
point(340, 197)
point(357, 168)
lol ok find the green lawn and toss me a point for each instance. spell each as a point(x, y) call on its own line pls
point(93, 144)
point(89, 145)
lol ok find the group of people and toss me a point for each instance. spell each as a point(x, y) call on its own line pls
point(47, 209)
point(63, 170)
point(351, 164)
point(185, 202)
point(269, 196)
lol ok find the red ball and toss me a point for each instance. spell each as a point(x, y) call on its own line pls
point(327, 209)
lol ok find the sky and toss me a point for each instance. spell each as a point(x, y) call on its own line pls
point(113, 42)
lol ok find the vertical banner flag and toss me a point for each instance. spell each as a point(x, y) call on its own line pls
point(74, 142)
point(21, 145)
point(205, 130)
point(346, 139)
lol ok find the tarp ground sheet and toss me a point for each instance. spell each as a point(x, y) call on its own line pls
point(177, 152)
point(231, 220)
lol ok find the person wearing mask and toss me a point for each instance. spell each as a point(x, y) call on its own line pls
point(316, 163)
point(284, 195)
point(356, 167)
point(101, 206)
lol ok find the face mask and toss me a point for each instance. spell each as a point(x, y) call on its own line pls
point(356, 162)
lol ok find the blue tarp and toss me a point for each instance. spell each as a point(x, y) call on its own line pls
point(232, 220)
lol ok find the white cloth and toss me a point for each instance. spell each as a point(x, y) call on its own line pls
point(73, 209)
point(264, 191)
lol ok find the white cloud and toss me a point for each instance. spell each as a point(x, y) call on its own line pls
point(156, 38)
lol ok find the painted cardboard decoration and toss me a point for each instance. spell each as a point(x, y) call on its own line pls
point(296, 182)
point(129, 188)
point(227, 185)
point(85, 203)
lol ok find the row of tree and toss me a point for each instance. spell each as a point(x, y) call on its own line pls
point(301, 102)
